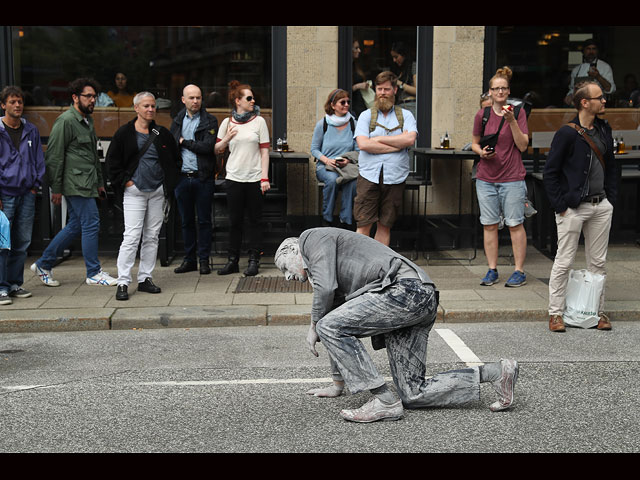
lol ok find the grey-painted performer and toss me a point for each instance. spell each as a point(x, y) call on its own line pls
point(362, 288)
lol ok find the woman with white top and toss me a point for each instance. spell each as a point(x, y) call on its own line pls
point(246, 135)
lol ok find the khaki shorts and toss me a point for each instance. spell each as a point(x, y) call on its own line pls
point(377, 202)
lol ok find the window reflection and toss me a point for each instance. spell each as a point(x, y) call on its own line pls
point(380, 48)
point(158, 59)
point(542, 58)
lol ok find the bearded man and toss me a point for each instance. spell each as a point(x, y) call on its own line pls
point(383, 133)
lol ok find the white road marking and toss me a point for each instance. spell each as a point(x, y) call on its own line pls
point(463, 352)
point(253, 381)
point(457, 345)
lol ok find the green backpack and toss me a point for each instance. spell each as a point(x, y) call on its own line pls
point(374, 117)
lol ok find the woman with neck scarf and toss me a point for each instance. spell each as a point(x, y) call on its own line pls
point(246, 135)
point(333, 138)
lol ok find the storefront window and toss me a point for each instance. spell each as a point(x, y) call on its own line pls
point(158, 59)
point(542, 58)
point(380, 48)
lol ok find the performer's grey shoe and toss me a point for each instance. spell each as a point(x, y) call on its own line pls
point(505, 385)
point(373, 411)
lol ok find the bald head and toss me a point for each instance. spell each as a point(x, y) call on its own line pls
point(192, 99)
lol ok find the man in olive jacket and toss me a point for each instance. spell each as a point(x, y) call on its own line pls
point(74, 170)
point(195, 131)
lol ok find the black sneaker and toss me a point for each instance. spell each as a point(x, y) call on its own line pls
point(20, 293)
point(148, 286)
point(121, 293)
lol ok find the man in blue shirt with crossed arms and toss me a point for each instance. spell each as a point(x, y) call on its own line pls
point(383, 133)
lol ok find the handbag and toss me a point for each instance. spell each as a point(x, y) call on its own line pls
point(492, 139)
point(583, 298)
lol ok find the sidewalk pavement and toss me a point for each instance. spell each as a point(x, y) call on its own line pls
point(192, 300)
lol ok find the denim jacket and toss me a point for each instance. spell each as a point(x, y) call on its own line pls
point(343, 264)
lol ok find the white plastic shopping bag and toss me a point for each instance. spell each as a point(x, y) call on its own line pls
point(5, 232)
point(583, 298)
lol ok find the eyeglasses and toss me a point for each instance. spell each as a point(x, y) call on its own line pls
point(601, 98)
point(499, 89)
point(344, 102)
point(249, 98)
point(89, 95)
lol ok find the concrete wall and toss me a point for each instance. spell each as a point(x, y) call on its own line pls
point(312, 72)
point(458, 55)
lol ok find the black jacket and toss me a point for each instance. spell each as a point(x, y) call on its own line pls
point(566, 170)
point(205, 141)
point(122, 161)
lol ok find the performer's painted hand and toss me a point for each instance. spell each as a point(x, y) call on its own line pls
point(312, 338)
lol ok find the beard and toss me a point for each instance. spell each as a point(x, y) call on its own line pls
point(86, 109)
point(385, 104)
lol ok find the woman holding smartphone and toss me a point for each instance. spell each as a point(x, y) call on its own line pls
point(500, 184)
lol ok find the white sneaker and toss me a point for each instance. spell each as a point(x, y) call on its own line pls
point(45, 276)
point(102, 278)
point(4, 299)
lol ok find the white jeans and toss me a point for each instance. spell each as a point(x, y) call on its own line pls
point(594, 221)
point(143, 215)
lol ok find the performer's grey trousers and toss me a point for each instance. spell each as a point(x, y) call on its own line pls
point(404, 313)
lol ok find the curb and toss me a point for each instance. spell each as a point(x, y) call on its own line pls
point(92, 319)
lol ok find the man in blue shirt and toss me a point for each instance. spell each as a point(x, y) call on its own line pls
point(383, 160)
point(195, 132)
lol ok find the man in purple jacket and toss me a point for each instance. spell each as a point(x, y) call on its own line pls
point(22, 167)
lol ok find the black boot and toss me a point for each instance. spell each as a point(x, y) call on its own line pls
point(186, 266)
point(230, 267)
point(254, 263)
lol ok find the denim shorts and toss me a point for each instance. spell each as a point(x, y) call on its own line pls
point(501, 199)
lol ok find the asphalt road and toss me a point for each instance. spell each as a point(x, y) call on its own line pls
point(243, 390)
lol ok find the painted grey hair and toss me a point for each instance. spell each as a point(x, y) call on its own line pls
point(289, 248)
point(141, 95)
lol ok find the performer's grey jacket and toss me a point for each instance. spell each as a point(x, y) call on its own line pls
point(342, 265)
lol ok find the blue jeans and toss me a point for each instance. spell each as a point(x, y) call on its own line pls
point(84, 220)
point(404, 313)
point(20, 211)
point(501, 198)
point(330, 193)
point(195, 197)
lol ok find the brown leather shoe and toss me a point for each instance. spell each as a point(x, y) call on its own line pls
point(556, 324)
point(604, 323)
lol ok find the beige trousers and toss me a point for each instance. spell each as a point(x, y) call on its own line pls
point(594, 221)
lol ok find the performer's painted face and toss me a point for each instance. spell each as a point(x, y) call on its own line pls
point(288, 259)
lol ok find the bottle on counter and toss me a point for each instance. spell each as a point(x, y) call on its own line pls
point(621, 146)
point(446, 142)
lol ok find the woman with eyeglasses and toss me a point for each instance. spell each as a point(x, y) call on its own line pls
point(500, 184)
point(332, 139)
point(246, 135)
